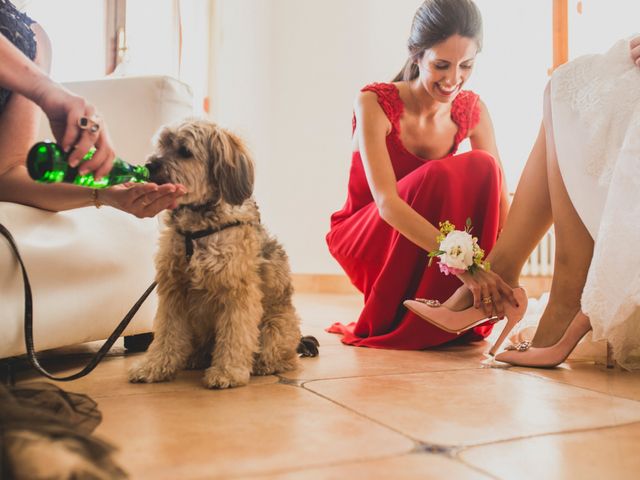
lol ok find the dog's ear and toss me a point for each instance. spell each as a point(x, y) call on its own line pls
point(233, 170)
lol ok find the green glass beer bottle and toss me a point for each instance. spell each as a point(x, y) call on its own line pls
point(47, 163)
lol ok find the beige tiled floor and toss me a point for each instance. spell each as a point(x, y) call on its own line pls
point(375, 414)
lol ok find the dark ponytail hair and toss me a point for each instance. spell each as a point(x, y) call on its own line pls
point(434, 22)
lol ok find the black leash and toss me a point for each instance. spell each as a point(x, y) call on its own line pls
point(28, 322)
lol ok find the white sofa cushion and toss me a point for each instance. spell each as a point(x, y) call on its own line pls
point(86, 269)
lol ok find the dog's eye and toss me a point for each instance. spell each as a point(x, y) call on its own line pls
point(184, 152)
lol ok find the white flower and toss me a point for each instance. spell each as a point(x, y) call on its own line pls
point(458, 250)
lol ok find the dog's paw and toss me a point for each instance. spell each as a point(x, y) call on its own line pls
point(215, 377)
point(283, 365)
point(308, 346)
point(149, 372)
point(261, 369)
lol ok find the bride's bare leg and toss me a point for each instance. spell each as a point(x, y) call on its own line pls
point(574, 249)
point(528, 220)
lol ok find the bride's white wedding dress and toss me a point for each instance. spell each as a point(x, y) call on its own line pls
point(592, 116)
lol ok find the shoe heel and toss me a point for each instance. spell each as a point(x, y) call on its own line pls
point(610, 361)
point(512, 321)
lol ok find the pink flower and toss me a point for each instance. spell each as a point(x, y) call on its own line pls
point(447, 270)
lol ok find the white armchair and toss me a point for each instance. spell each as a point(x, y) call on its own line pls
point(87, 267)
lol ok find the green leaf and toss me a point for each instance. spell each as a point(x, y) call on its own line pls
point(468, 227)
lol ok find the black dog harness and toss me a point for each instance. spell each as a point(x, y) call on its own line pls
point(189, 237)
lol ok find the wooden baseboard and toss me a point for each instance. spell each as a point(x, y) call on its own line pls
point(340, 284)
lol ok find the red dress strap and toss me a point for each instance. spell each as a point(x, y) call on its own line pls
point(389, 100)
point(465, 112)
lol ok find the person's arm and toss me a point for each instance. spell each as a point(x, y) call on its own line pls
point(17, 72)
point(64, 110)
point(634, 45)
point(483, 138)
point(18, 128)
point(19, 122)
point(371, 131)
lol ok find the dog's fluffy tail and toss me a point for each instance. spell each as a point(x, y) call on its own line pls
point(308, 346)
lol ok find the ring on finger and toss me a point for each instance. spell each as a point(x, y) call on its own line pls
point(92, 124)
point(95, 123)
point(83, 123)
point(487, 300)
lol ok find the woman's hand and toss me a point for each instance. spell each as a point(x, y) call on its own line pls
point(74, 121)
point(489, 291)
point(142, 199)
point(77, 127)
point(634, 45)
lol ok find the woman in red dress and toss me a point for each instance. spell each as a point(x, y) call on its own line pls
point(406, 177)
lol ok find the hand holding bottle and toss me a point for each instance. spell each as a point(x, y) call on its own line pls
point(73, 120)
point(77, 127)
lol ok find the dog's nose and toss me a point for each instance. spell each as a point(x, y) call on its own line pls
point(154, 171)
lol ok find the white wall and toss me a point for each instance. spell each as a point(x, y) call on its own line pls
point(598, 24)
point(86, 40)
point(285, 73)
point(285, 76)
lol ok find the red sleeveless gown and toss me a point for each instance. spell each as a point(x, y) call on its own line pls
point(388, 268)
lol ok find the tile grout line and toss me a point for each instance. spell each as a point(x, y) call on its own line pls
point(548, 434)
point(286, 381)
point(419, 447)
point(530, 437)
point(533, 375)
point(453, 452)
point(301, 469)
point(374, 375)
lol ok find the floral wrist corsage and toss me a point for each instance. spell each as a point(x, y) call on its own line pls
point(458, 251)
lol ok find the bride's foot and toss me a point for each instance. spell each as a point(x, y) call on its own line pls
point(553, 323)
point(526, 355)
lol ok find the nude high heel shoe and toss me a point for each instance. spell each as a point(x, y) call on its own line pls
point(457, 322)
point(524, 355)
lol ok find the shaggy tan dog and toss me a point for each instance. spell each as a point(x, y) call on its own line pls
point(224, 283)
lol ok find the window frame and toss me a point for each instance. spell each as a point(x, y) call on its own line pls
point(115, 30)
point(560, 33)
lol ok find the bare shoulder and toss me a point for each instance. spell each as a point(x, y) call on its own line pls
point(368, 110)
point(484, 124)
point(366, 101)
point(484, 111)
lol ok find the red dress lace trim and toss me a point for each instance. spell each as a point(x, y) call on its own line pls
point(389, 100)
point(465, 110)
